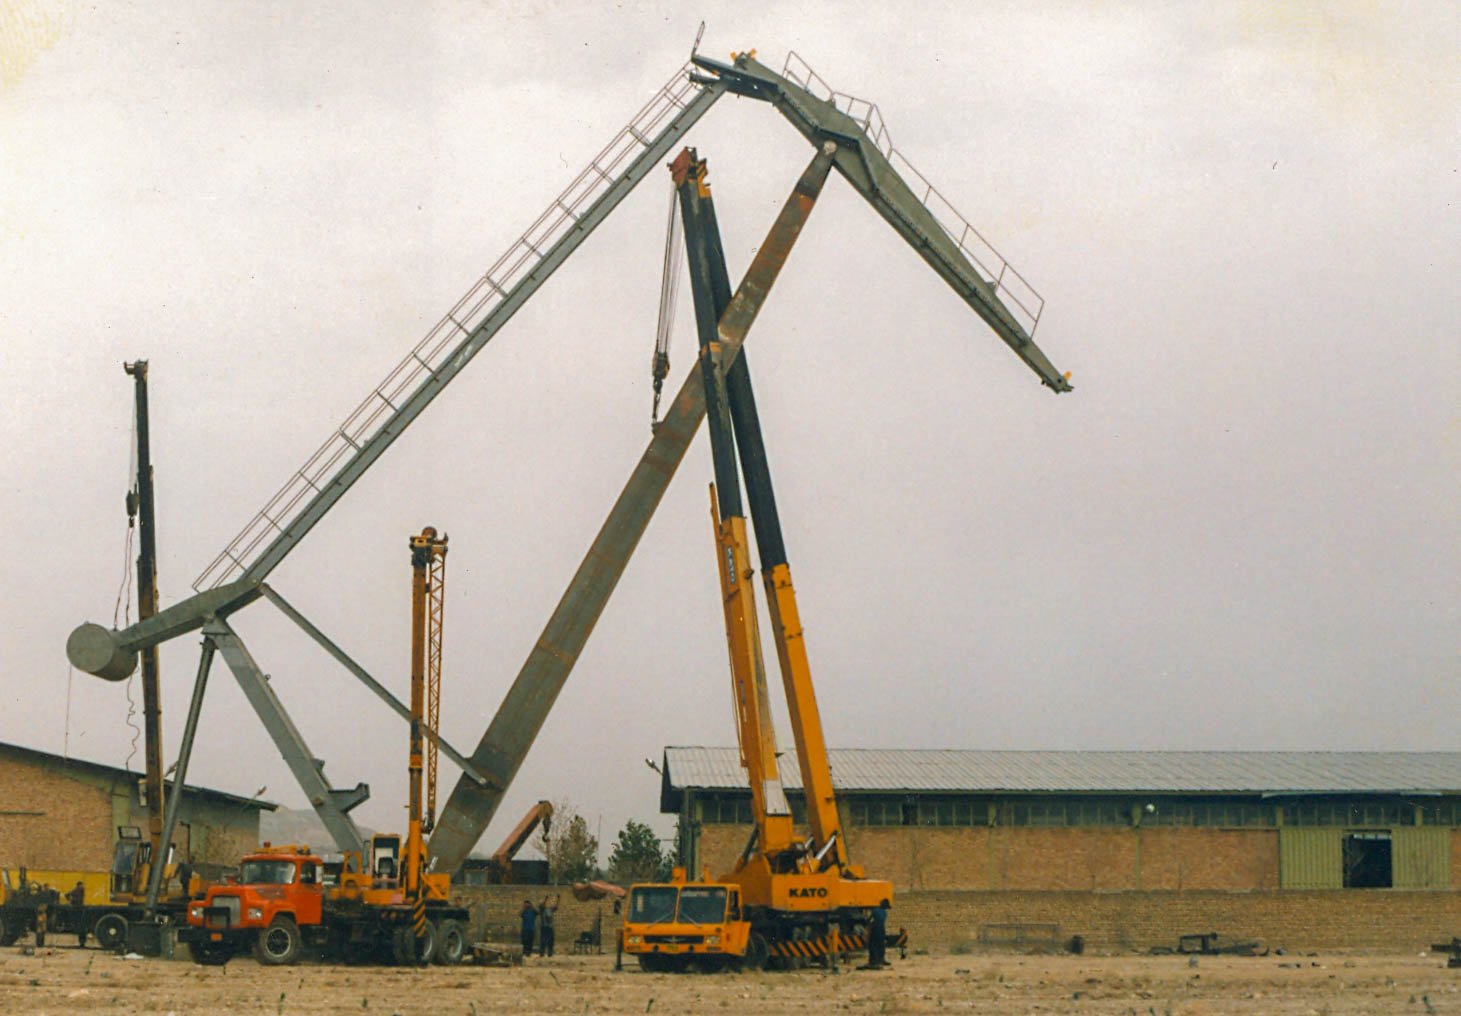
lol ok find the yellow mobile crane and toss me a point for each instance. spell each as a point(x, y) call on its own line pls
point(786, 898)
point(387, 904)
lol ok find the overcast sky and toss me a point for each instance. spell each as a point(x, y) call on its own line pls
point(1238, 532)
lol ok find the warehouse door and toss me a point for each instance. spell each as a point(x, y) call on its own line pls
point(1368, 860)
point(1310, 857)
point(1422, 858)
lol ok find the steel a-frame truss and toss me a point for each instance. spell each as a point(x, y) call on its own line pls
point(862, 153)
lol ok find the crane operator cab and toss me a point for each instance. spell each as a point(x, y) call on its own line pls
point(385, 858)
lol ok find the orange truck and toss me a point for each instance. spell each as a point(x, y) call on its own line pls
point(283, 904)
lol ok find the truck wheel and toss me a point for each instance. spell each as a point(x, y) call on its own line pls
point(411, 950)
point(756, 952)
point(110, 931)
point(278, 944)
point(653, 963)
point(12, 926)
point(451, 943)
point(210, 954)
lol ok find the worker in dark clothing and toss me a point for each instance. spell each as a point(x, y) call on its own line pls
point(546, 914)
point(529, 917)
point(877, 934)
point(77, 899)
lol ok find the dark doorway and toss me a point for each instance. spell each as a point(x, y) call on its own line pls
point(1367, 858)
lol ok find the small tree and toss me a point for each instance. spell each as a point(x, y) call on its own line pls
point(636, 856)
point(572, 851)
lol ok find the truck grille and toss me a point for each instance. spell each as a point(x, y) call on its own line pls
point(674, 939)
point(223, 913)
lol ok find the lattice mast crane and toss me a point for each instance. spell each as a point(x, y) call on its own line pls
point(428, 587)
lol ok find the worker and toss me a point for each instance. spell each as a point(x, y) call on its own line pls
point(529, 917)
point(877, 945)
point(546, 915)
point(77, 896)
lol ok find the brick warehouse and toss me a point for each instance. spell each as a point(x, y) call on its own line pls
point(63, 813)
point(1285, 844)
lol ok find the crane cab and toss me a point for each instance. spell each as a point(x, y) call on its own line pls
point(674, 925)
point(385, 859)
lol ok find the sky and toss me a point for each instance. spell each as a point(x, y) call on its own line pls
point(1239, 531)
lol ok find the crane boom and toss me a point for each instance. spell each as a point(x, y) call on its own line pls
point(526, 704)
point(710, 286)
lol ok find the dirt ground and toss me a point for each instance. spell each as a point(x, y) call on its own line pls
point(68, 981)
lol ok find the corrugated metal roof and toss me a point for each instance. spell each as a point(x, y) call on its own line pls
point(934, 770)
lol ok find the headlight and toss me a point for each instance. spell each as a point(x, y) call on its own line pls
point(712, 940)
point(256, 913)
point(634, 940)
point(196, 910)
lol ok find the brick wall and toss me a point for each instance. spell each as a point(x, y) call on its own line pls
point(50, 820)
point(218, 832)
point(1044, 858)
point(495, 908)
point(1295, 920)
point(63, 816)
point(1383, 920)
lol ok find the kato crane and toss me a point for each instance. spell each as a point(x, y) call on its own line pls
point(784, 898)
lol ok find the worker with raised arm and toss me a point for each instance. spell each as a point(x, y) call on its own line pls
point(547, 912)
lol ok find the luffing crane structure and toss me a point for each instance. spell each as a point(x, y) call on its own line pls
point(861, 152)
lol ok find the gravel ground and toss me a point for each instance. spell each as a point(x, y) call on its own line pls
point(68, 980)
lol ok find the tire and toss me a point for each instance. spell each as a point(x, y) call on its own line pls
point(411, 950)
point(278, 945)
point(709, 964)
point(110, 931)
point(659, 963)
point(210, 954)
point(12, 926)
point(756, 952)
point(451, 943)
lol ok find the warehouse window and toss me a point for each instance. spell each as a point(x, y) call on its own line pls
point(726, 810)
point(1367, 861)
point(1441, 813)
point(875, 811)
point(1343, 811)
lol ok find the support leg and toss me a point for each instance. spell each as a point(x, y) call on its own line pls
point(180, 776)
point(330, 804)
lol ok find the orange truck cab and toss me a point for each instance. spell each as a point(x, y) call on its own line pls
point(272, 907)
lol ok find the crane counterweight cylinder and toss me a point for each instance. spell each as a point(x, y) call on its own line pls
point(94, 649)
